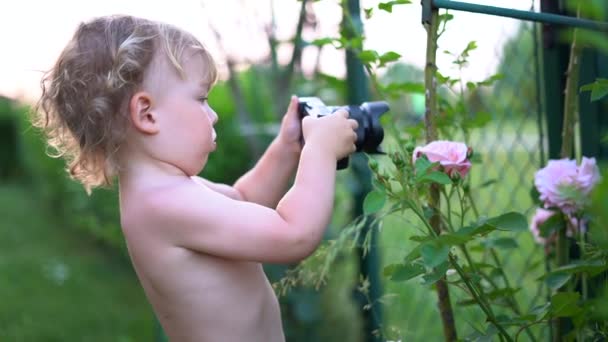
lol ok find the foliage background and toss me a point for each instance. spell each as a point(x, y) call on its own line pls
point(64, 270)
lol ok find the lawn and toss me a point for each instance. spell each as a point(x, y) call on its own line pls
point(59, 285)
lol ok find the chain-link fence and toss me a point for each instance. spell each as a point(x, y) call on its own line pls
point(512, 145)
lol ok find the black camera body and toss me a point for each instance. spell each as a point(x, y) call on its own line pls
point(369, 133)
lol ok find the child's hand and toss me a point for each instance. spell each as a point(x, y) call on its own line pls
point(291, 128)
point(334, 133)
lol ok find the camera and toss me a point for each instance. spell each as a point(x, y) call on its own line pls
point(369, 133)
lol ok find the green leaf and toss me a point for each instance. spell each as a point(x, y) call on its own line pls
point(368, 56)
point(403, 272)
point(434, 254)
point(517, 321)
point(422, 164)
point(565, 304)
point(599, 92)
point(556, 280)
point(471, 231)
point(510, 221)
point(445, 17)
point(324, 41)
point(470, 47)
point(599, 210)
point(502, 293)
point(553, 224)
point(407, 87)
point(434, 177)
point(388, 6)
point(452, 239)
point(412, 255)
point(540, 311)
point(598, 89)
point(436, 274)
point(483, 336)
point(535, 196)
point(491, 80)
point(373, 202)
point(419, 238)
point(390, 56)
point(593, 267)
point(502, 242)
point(466, 302)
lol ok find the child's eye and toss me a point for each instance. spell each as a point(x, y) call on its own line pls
point(202, 99)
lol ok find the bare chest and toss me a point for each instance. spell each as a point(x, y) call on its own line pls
point(209, 297)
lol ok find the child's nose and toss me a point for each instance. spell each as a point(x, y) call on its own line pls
point(213, 115)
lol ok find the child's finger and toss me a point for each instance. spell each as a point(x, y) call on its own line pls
point(292, 109)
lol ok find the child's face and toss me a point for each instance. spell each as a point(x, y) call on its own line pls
point(186, 119)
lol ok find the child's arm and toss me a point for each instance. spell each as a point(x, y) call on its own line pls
point(267, 182)
point(208, 222)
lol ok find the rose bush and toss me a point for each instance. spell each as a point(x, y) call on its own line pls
point(453, 157)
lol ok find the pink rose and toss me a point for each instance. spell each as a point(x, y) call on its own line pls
point(565, 185)
point(542, 215)
point(588, 175)
point(452, 156)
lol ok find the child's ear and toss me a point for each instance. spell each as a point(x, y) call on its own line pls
point(143, 118)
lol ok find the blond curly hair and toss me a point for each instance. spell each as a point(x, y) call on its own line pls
point(83, 106)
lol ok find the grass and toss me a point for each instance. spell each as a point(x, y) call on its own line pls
point(58, 285)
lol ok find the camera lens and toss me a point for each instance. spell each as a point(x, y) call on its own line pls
point(370, 132)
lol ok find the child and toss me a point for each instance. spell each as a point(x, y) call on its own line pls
point(128, 98)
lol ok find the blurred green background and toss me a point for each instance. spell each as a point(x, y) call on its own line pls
point(65, 273)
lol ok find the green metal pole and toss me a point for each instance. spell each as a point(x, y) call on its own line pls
point(544, 17)
point(357, 92)
point(592, 118)
point(555, 56)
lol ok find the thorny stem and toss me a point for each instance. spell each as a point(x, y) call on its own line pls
point(582, 247)
point(512, 301)
point(468, 194)
point(571, 94)
point(448, 200)
point(486, 309)
point(570, 108)
point(430, 85)
point(560, 325)
point(527, 327)
point(460, 199)
point(511, 298)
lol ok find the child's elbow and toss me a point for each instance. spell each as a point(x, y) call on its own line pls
point(303, 243)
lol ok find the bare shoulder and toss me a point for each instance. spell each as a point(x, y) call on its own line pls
point(223, 189)
point(160, 205)
point(191, 215)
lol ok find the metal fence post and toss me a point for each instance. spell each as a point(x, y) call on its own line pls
point(555, 56)
point(592, 118)
point(357, 92)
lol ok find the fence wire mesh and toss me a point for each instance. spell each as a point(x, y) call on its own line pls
point(512, 145)
point(512, 148)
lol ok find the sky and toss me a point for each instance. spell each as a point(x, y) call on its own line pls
point(33, 32)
